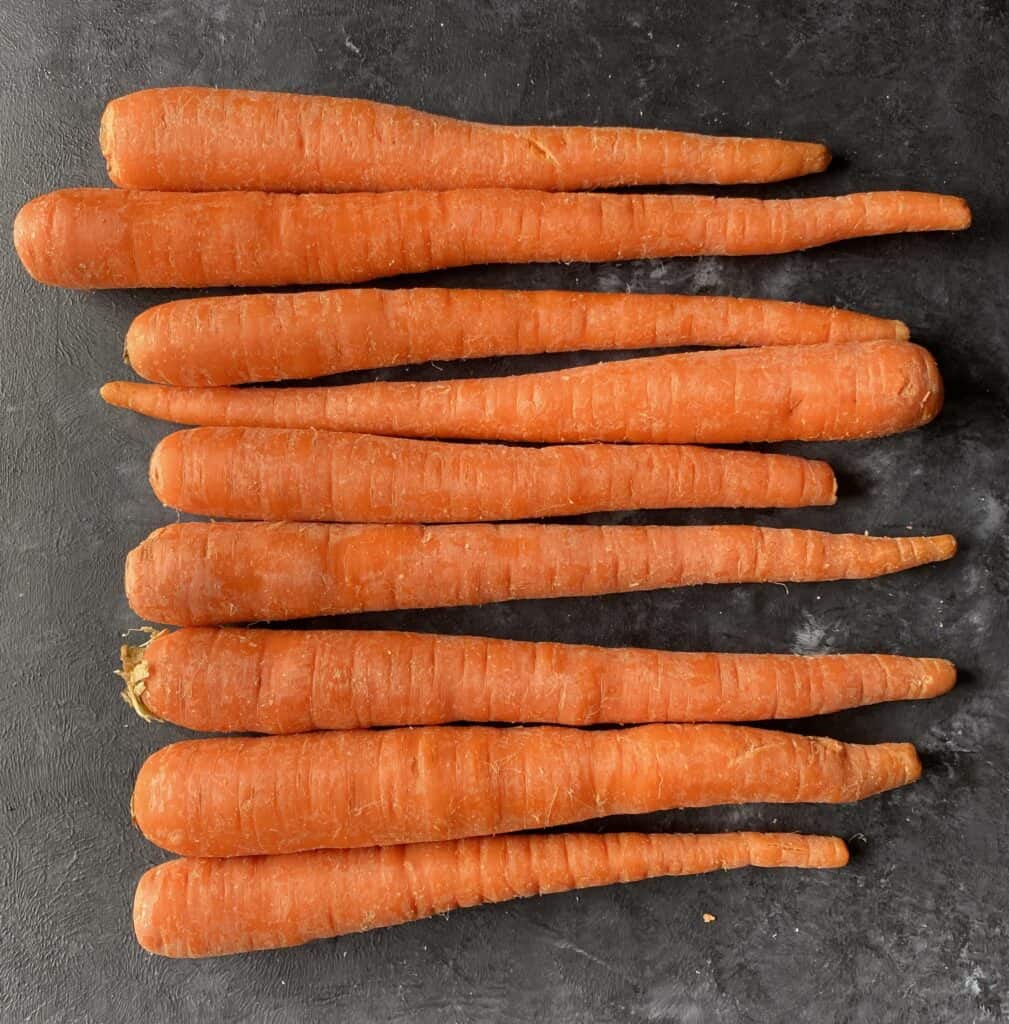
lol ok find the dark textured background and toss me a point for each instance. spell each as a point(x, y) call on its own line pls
point(907, 95)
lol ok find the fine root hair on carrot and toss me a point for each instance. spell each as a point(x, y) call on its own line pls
point(322, 476)
point(798, 393)
point(198, 574)
point(214, 907)
point(241, 339)
point(202, 139)
point(288, 681)
point(108, 238)
point(336, 790)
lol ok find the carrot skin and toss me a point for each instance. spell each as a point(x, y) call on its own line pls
point(210, 139)
point(288, 681)
point(198, 574)
point(106, 238)
point(241, 339)
point(799, 393)
point(335, 790)
point(215, 907)
point(321, 476)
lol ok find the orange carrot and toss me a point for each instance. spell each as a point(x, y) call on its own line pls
point(208, 139)
point(312, 475)
point(240, 339)
point(194, 574)
point(284, 681)
point(283, 794)
point(213, 907)
point(804, 393)
point(104, 238)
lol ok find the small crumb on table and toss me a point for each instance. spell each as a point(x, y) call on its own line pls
point(708, 918)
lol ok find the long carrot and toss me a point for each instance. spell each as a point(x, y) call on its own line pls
point(284, 681)
point(312, 475)
point(213, 907)
point(104, 238)
point(282, 794)
point(804, 393)
point(209, 139)
point(240, 339)
point(193, 574)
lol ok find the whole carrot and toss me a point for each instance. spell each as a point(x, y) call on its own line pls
point(284, 681)
point(193, 574)
point(208, 139)
point(312, 475)
point(105, 238)
point(213, 907)
point(282, 794)
point(239, 339)
point(803, 393)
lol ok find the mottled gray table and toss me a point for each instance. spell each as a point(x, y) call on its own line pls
point(908, 95)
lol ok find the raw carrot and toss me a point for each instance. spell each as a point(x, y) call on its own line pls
point(195, 574)
point(213, 907)
point(313, 475)
point(284, 681)
point(800, 393)
point(282, 794)
point(104, 238)
point(209, 139)
point(240, 339)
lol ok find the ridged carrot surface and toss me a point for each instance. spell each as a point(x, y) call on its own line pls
point(209, 139)
point(240, 339)
point(195, 574)
point(106, 238)
point(284, 681)
point(213, 907)
point(313, 475)
point(799, 393)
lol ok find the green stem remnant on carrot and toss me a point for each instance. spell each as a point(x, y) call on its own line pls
point(241, 339)
point(322, 476)
point(328, 790)
point(801, 393)
point(198, 574)
point(105, 238)
point(213, 907)
point(286, 681)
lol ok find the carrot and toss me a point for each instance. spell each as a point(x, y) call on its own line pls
point(240, 339)
point(209, 139)
point(803, 393)
point(284, 681)
point(311, 475)
point(194, 574)
point(213, 907)
point(104, 238)
point(282, 794)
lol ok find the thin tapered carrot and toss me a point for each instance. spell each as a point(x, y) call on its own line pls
point(240, 339)
point(196, 574)
point(211, 139)
point(105, 238)
point(800, 393)
point(283, 794)
point(214, 907)
point(284, 681)
point(313, 475)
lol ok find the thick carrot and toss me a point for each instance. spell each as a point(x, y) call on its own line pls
point(213, 906)
point(284, 681)
point(282, 794)
point(240, 339)
point(194, 574)
point(801, 393)
point(198, 139)
point(313, 475)
point(104, 238)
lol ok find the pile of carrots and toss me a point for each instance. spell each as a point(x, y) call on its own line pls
point(393, 770)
